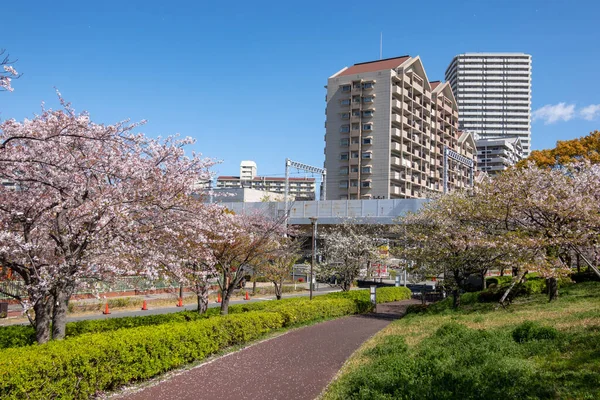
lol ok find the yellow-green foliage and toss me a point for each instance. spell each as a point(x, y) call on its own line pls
point(79, 367)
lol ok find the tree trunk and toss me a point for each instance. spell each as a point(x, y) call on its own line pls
point(552, 285)
point(578, 265)
point(202, 297)
point(483, 281)
point(278, 289)
point(59, 315)
point(514, 282)
point(225, 303)
point(455, 298)
point(502, 272)
point(43, 311)
point(253, 285)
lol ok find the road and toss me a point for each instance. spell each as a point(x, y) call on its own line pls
point(169, 310)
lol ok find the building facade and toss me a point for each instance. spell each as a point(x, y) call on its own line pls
point(497, 155)
point(493, 91)
point(386, 130)
point(299, 188)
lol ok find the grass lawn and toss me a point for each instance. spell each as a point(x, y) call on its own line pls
point(482, 353)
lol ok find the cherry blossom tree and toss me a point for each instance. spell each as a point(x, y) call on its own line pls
point(453, 236)
point(83, 197)
point(234, 243)
point(278, 263)
point(557, 209)
point(7, 72)
point(348, 247)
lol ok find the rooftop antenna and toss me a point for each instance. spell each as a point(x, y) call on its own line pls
point(380, 45)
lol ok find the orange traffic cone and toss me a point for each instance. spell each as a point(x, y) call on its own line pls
point(180, 303)
point(247, 298)
point(219, 297)
point(106, 310)
point(144, 306)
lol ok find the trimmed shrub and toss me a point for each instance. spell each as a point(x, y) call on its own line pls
point(24, 335)
point(499, 280)
point(16, 336)
point(80, 367)
point(533, 286)
point(528, 331)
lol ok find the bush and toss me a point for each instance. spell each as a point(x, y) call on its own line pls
point(528, 331)
point(533, 286)
point(80, 367)
point(585, 276)
point(499, 280)
point(16, 336)
point(24, 335)
point(416, 309)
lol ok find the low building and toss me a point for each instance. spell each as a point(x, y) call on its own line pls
point(498, 154)
point(299, 188)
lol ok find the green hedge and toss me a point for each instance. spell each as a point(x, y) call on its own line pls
point(80, 367)
point(24, 335)
point(383, 294)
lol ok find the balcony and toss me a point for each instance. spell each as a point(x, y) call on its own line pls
point(397, 176)
point(397, 190)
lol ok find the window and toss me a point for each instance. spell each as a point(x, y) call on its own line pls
point(345, 115)
point(345, 88)
point(355, 140)
point(344, 142)
point(367, 127)
point(344, 171)
point(345, 102)
point(366, 170)
point(368, 85)
point(356, 99)
point(357, 85)
point(344, 156)
point(356, 113)
point(355, 127)
point(345, 128)
point(354, 154)
point(367, 113)
point(344, 184)
point(354, 183)
point(354, 169)
point(368, 99)
point(367, 154)
point(367, 140)
point(365, 184)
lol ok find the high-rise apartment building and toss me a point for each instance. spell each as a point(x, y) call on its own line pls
point(493, 91)
point(300, 188)
point(386, 130)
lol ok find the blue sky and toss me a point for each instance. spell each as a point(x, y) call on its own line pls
point(245, 79)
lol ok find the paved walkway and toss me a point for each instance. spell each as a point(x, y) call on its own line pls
point(295, 366)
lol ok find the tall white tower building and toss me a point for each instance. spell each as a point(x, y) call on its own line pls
point(493, 92)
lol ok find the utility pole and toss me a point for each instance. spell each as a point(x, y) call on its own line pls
point(313, 222)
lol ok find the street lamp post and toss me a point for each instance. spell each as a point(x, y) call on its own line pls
point(313, 222)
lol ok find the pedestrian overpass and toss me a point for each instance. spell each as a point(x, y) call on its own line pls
point(331, 212)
